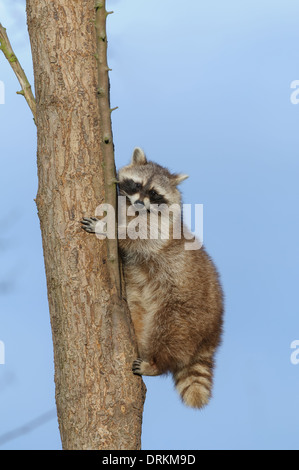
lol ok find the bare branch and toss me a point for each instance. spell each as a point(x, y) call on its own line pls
point(28, 427)
point(7, 50)
point(107, 139)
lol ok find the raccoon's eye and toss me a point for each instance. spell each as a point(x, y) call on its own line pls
point(153, 193)
point(156, 198)
point(129, 186)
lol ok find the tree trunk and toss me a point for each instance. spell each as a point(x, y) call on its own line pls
point(99, 400)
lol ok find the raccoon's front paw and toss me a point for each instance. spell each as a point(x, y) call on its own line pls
point(141, 367)
point(136, 367)
point(89, 224)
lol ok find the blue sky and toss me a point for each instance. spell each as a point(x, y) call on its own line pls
point(204, 89)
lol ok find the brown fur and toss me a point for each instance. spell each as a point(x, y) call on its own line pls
point(174, 296)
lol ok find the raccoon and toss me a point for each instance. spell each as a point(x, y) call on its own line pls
point(174, 294)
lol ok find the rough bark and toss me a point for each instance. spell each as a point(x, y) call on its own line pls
point(99, 400)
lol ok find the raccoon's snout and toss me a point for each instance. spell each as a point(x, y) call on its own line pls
point(138, 203)
point(142, 205)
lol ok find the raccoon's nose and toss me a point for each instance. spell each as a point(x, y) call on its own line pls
point(138, 203)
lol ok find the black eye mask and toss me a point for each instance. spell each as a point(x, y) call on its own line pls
point(156, 198)
point(130, 187)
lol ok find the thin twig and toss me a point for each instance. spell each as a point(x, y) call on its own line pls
point(28, 427)
point(26, 91)
point(107, 139)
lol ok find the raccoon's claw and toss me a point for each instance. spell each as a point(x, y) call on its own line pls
point(141, 367)
point(89, 224)
point(136, 367)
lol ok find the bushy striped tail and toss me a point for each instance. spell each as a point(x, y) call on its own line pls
point(194, 383)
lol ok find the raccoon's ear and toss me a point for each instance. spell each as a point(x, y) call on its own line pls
point(178, 179)
point(138, 157)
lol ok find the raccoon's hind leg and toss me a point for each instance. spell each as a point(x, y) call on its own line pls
point(141, 367)
point(194, 382)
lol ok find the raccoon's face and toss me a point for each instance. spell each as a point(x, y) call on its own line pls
point(145, 183)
